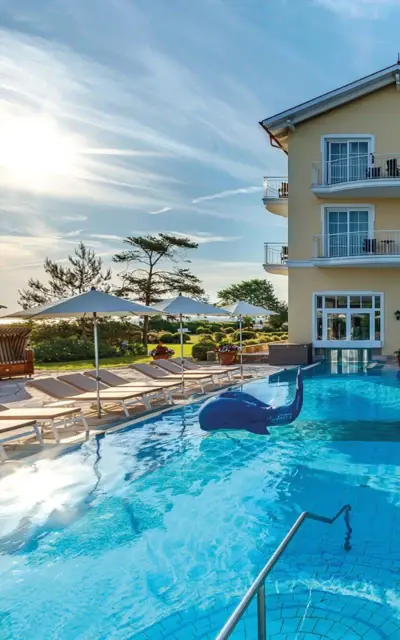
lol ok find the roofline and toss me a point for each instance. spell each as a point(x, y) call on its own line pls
point(332, 99)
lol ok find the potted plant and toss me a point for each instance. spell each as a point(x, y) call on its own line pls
point(161, 352)
point(397, 354)
point(227, 353)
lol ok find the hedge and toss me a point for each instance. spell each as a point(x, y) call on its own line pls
point(74, 348)
point(199, 351)
point(172, 338)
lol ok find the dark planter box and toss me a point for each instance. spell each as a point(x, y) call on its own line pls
point(285, 354)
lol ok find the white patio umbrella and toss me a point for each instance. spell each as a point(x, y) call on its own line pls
point(91, 304)
point(183, 306)
point(242, 309)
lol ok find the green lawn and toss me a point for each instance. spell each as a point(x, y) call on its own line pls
point(114, 362)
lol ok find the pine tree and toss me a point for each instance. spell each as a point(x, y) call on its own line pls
point(151, 282)
point(83, 271)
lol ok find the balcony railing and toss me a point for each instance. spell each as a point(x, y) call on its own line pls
point(357, 244)
point(275, 253)
point(276, 187)
point(372, 167)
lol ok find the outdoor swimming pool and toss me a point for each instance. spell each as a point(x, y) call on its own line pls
point(157, 531)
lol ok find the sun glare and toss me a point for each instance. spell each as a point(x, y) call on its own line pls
point(35, 150)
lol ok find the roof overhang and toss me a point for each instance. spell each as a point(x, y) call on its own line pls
point(278, 126)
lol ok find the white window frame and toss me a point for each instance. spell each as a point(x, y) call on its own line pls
point(346, 207)
point(348, 344)
point(345, 137)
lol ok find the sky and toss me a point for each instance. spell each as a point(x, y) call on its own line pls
point(126, 117)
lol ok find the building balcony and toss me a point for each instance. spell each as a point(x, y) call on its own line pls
point(358, 249)
point(275, 197)
point(371, 176)
point(275, 258)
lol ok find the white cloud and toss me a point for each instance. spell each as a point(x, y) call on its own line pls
point(204, 238)
point(228, 193)
point(73, 217)
point(371, 9)
point(106, 236)
point(163, 210)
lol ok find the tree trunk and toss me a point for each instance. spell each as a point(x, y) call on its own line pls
point(145, 329)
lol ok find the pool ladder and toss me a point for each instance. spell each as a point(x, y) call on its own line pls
point(258, 586)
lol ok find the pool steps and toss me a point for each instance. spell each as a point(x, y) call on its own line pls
point(257, 589)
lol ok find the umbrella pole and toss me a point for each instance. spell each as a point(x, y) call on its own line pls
point(182, 367)
point(241, 348)
point(96, 360)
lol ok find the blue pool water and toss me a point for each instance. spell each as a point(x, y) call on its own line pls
point(157, 531)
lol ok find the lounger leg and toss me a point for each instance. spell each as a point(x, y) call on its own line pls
point(55, 432)
point(123, 405)
point(85, 424)
point(167, 396)
point(3, 455)
point(146, 402)
point(38, 434)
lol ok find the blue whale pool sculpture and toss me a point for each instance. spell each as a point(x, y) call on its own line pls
point(234, 410)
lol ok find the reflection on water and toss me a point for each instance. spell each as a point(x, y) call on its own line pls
point(161, 520)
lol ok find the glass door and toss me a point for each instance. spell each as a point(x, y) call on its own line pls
point(347, 232)
point(347, 161)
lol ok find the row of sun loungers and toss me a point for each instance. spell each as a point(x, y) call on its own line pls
point(71, 390)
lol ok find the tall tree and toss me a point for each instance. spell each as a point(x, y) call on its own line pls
point(83, 271)
point(258, 292)
point(152, 280)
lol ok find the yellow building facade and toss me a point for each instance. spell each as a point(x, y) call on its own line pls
point(342, 201)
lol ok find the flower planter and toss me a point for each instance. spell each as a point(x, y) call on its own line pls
point(227, 357)
point(162, 356)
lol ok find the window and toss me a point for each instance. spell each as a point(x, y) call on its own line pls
point(347, 231)
point(347, 160)
point(348, 317)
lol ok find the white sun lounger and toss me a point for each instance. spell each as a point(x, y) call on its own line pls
point(53, 416)
point(175, 370)
point(84, 383)
point(60, 390)
point(189, 365)
point(11, 430)
point(112, 379)
point(159, 374)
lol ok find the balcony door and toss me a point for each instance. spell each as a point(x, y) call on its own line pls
point(347, 160)
point(346, 232)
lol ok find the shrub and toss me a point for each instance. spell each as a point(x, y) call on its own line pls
point(246, 335)
point(136, 336)
point(218, 335)
point(165, 336)
point(69, 349)
point(199, 351)
point(202, 329)
point(159, 323)
point(152, 337)
point(176, 338)
point(251, 341)
point(206, 338)
point(137, 349)
point(229, 330)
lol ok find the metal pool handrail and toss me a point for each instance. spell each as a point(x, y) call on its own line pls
point(258, 586)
